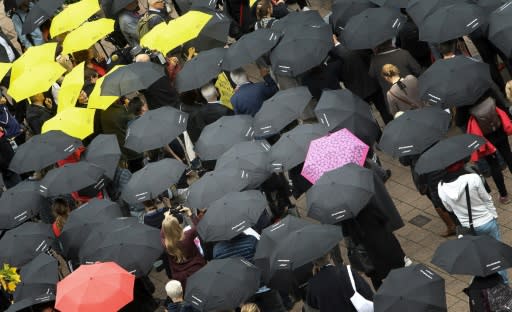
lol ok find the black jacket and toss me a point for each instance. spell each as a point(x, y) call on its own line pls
point(3, 53)
point(204, 116)
point(36, 117)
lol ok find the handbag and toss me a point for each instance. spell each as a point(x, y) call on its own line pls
point(360, 303)
point(462, 230)
point(499, 298)
point(358, 256)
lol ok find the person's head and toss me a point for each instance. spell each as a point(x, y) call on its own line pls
point(173, 233)
point(263, 9)
point(250, 307)
point(508, 91)
point(137, 107)
point(239, 76)
point(174, 290)
point(90, 75)
point(82, 56)
point(209, 93)
point(383, 47)
point(60, 210)
point(448, 48)
point(83, 99)
point(156, 4)
point(37, 98)
point(133, 6)
point(24, 6)
point(390, 72)
point(322, 261)
point(142, 58)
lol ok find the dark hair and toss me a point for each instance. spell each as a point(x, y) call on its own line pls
point(89, 74)
point(448, 47)
point(60, 209)
point(135, 106)
point(385, 46)
point(262, 8)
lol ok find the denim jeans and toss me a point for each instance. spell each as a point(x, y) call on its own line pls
point(492, 229)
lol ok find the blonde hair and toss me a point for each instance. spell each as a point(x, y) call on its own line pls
point(60, 209)
point(173, 289)
point(508, 91)
point(390, 70)
point(250, 307)
point(173, 234)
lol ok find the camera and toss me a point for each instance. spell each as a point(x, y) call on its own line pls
point(155, 57)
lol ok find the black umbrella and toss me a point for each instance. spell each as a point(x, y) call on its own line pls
point(43, 150)
point(447, 152)
point(292, 147)
point(372, 27)
point(156, 128)
point(222, 284)
point(451, 22)
point(70, 178)
point(340, 194)
point(230, 215)
point(213, 185)
point(40, 12)
point(500, 28)
point(310, 45)
point(104, 152)
point(38, 278)
point(134, 246)
point(473, 255)
point(112, 7)
point(218, 137)
point(418, 10)
point(200, 70)
point(281, 109)
point(343, 10)
point(20, 203)
point(206, 6)
point(490, 5)
point(152, 180)
point(83, 220)
point(339, 109)
point(469, 80)
point(424, 291)
point(414, 131)
point(294, 19)
point(253, 157)
point(214, 34)
point(131, 78)
point(22, 244)
point(249, 48)
point(392, 3)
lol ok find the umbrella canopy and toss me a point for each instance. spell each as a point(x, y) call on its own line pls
point(253, 157)
point(451, 22)
point(418, 10)
point(331, 152)
point(22, 244)
point(219, 136)
point(19, 204)
point(33, 56)
point(214, 34)
point(473, 255)
point(152, 180)
point(75, 121)
point(249, 48)
point(200, 70)
point(425, 291)
point(73, 16)
point(447, 152)
point(294, 19)
point(83, 220)
point(340, 194)
point(95, 287)
point(343, 10)
point(470, 79)
point(36, 79)
point(490, 5)
point(414, 131)
point(39, 13)
point(230, 215)
point(155, 129)
point(500, 28)
point(213, 185)
point(132, 78)
point(112, 7)
point(43, 150)
point(70, 178)
point(310, 43)
point(104, 152)
point(96, 100)
point(281, 109)
point(339, 109)
point(292, 147)
point(87, 35)
point(222, 284)
point(70, 88)
point(134, 246)
point(39, 278)
point(372, 27)
point(392, 3)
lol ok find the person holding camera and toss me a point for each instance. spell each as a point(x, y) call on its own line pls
point(39, 112)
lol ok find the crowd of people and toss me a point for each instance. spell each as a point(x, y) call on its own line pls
point(387, 75)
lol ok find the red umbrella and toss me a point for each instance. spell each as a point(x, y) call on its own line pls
point(95, 287)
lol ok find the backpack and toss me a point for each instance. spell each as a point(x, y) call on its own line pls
point(489, 294)
point(143, 26)
point(486, 115)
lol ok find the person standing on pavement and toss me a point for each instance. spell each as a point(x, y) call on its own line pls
point(249, 97)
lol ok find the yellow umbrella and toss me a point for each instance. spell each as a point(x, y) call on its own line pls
point(86, 35)
point(36, 79)
point(4, 68)
point(165, 37)
point(71, 87)
point(75, 121)
point(44, 53)
point(96, 100)
point(73, 16)
point(251, 3)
